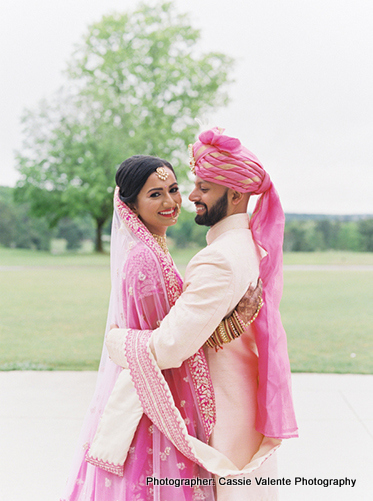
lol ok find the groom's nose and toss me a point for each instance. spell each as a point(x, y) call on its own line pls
point(193, 197)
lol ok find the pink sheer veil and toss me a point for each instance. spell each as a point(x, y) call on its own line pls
point(139, 299)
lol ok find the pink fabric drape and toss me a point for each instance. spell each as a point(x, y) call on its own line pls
point(144, 285)
point(223, 160)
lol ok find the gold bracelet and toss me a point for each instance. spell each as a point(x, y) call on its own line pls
point(228, 330)
point(224, 331)
point(238, 326)
point(231, 328)
point(214, 340)
point(235, 333)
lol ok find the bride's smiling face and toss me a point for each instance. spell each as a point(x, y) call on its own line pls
point(158, 202)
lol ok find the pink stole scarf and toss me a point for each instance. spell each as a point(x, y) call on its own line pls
point(275, 415)
point(223, 160)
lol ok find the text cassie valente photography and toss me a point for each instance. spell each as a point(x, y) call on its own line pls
point(265, 481)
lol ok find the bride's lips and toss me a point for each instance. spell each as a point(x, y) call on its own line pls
point(169, 213)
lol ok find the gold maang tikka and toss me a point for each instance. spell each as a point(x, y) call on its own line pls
point(161, 173)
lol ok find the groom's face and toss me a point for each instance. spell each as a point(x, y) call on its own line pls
point(210, 200)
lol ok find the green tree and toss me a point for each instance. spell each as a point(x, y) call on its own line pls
point(349, 237)
point(8, 225)
point(74, 231)
point(328, 233)
point(365, 228)
point(17, 226)
point(301, 236)
point(136, 83)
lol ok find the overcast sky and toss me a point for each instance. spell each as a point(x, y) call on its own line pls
point(302, 99)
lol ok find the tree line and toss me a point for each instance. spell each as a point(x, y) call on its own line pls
point(19, 228)
point(309, 234)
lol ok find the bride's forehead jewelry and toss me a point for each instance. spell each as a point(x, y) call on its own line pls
point(161, 173)
point(192, 161)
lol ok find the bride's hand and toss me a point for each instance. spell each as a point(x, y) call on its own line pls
point(249, 303)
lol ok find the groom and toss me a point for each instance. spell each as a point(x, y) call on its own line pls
point(251, 374)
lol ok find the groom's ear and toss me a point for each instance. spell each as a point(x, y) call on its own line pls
point(236, 197)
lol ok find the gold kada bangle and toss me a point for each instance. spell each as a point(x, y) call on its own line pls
point(230, 328)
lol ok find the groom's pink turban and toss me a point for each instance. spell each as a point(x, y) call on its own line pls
point(223, 160)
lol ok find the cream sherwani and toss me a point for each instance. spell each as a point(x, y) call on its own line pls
point(215, 281)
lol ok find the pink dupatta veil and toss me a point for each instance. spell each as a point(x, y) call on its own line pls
point(145, 284)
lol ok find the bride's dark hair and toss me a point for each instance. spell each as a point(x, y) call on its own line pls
point(133, 174)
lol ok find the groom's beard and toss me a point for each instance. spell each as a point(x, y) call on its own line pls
point(213, 215)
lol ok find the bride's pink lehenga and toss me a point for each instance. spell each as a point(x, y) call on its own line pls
point(145, 284)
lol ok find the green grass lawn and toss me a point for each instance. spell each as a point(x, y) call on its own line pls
point(53, 311)
point(53, 318)
point(329, 257)
point(328, 318)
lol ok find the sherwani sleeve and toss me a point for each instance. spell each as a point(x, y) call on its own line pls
point(196, 314)
point(206, 300)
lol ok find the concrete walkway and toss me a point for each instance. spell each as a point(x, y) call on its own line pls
point(41, 414)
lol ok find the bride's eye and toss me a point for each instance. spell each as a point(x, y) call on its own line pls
point(174, 190)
